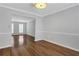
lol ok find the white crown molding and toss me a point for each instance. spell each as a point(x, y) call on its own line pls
point(61, 9)
point(35, 14)
point(20, 10)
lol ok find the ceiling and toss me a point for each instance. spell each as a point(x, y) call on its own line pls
point(29, 8)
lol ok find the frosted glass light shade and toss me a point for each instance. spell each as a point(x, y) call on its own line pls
point(40, 5)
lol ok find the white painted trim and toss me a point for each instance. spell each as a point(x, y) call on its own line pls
point(35, 14)
point(4, 33)
point(62, 45)
point(60, 33)
point(5, 46)
point(24, 21)
point(11, 8)
point(61, 9)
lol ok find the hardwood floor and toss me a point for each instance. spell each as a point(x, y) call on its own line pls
point(38, 48)
point(5, 52)
point(26, 39)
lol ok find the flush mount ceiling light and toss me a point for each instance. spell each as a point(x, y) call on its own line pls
point(40, 5)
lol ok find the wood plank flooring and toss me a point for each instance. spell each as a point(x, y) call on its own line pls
point(38, 48)
point(5, 52)
point(26, 39)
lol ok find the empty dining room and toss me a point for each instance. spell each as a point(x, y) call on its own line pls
point(39, 29)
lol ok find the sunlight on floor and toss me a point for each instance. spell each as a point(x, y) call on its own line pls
point(20, 40)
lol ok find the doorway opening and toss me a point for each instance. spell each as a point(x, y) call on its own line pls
point(22, 32)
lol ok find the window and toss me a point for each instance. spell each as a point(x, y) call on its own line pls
point(20, 28)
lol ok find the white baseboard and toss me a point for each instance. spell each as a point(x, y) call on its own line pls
point(61, 45)
point(5, 46)
point(4, 40)
point(49, 36)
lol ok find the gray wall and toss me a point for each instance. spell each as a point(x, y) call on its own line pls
point(5, 28)
point(31, 28)
point(63, 27)
point(39, 28)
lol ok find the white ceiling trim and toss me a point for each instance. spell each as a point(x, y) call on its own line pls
point(61, 9)
point(15, 20)
point(15, 9)
point(35, 14)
